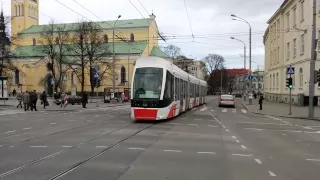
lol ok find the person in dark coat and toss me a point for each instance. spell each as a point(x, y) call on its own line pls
point(33, 100)
point(44, 99)
point(14, 92)
point(260, 101)
point(84, 99)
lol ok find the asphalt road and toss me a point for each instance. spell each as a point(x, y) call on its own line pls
point(205, 143)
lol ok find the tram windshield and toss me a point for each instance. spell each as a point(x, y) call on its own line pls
point(147, 83)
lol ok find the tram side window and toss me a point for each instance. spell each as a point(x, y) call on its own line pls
point(181, 88)
point(169, 89)
point(176, 88)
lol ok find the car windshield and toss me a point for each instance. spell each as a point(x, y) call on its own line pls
point(147, 83)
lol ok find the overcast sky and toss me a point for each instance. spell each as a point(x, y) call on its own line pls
point(211, 23)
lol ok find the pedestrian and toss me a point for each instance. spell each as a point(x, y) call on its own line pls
point(44, 99)
point(122, 97)
point(14, 92)
point(19, 98)
point(26, 101)
point(84, 99)
point(260, 101)
point(33, 100)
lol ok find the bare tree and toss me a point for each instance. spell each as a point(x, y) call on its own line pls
point(172, 51)
point(214, 62)
point(183, 63)
point(89, 50)
point(54, 39)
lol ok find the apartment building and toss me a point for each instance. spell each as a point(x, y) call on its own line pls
point(287, 43)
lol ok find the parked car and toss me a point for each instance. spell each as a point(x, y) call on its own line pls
point(227, 100)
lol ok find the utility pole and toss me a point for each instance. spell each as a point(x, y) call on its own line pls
point(114, 60)
point(312, 61)
point(250, 82)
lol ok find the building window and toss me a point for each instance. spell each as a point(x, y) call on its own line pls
point(131, 37)
point(302, 44)
point(15, 10)
point(294, 16)
point(19, 10)
point(294, 47)
point(270, 81)
point(17, 76)
point(123, 75)
point(301, 77)
point(288, 51)
point(288, 22)
point(22, 10)
point(302, 10)
point(105, 38)
point(278, 54)
point(34, 42)
point(278, 27)
point(277, 80)
point(274, 81)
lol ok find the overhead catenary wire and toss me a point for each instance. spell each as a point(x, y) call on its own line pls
point(73, 10)
point(185, 5)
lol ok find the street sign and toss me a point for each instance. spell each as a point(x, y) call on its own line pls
point(250, 78)
point(96, 75)
point(290, 70)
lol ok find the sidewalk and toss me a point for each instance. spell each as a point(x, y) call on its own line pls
point(280, 109)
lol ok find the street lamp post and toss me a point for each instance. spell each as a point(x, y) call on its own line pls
point(244, 62)
point(250, 82)
point(114, 59)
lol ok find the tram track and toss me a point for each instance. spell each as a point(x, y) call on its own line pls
point(17, 169)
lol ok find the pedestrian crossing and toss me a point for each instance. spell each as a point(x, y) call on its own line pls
point(225, 110)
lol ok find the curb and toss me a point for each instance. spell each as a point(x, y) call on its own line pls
point(292, 117)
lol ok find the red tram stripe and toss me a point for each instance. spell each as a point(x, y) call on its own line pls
point(145, 114)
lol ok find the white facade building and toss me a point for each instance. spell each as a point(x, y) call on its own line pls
point(287, 42)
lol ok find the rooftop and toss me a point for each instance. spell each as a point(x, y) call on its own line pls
point(128, 23)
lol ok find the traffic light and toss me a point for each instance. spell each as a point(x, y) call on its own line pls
point(289, 83)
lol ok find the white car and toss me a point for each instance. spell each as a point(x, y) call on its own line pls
point(227, 100)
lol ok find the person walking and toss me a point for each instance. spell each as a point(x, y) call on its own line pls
point(26, 101)
point(14, 92)
point(33, 100)
point(260, 101)
point(19, 98)
point(84, 99)
point(44, 99)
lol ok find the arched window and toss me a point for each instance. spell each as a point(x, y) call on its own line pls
point(34, 42)
point(131, 37)
point(22, 10)
point(105, 38)
point(301, 77)
point(19, 10)
point(123, 75)
point(73, 78)
point(15, 10)
point(277, 80)
point(17, 76)
point(274, 81)
point(270, 81)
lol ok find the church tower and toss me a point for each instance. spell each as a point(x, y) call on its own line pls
point(24, 13)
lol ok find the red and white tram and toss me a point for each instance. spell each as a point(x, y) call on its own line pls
point(160, 90)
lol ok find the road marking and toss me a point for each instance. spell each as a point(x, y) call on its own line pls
point(193, 109)
point(243, 147)
point(227, 130)
point(66, 146)
point(101, 146)
point(244, 111)
point(224, 110)
point(171, 151)
point(53, 123)
point(217, 120)
point(27, 128)
point(234, 137)
point(174, 123)
point(304, 127)
point(271, 173)
point(206, 152)
point(244, 155)
point(203, 109)
point(212, 126)
point(10, 132)
point(277, 119)
point(316, 132)
point(38, 146)
point(258, 161)
point(256, 129)
point(193, 124)
point(317, 160)
point(237, 141)
point(212, 110)
point(234, 111)
point(197, 119)
point(243, 122)
point(284, 134)
point(120, 121)
point(142, 149)
point(313, 126)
